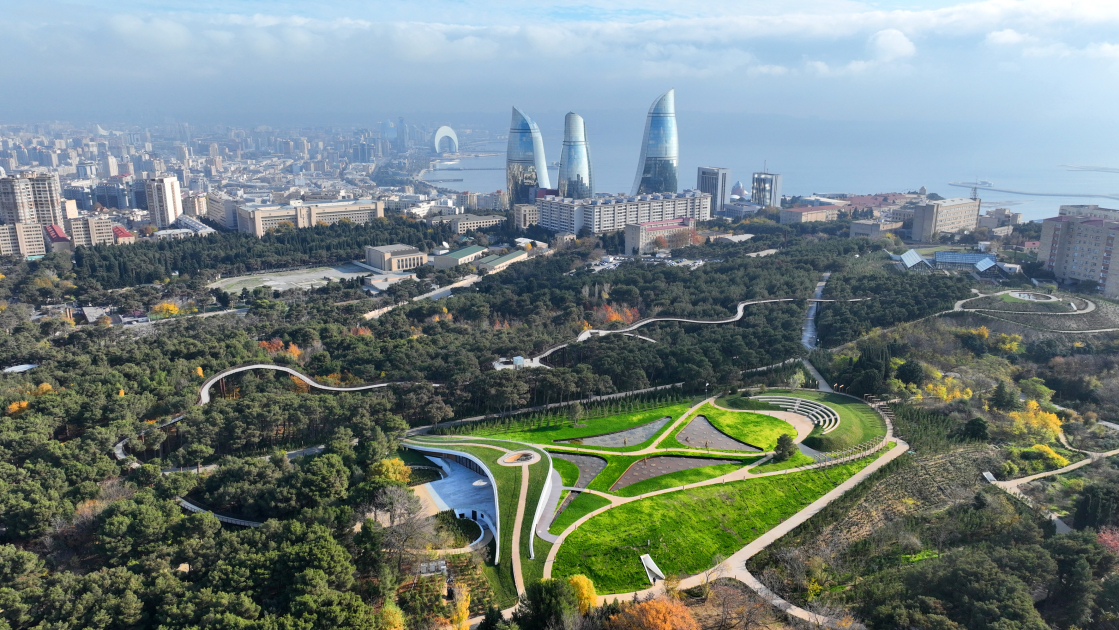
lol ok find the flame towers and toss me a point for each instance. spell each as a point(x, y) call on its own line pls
point(660, 149)
point(576, 180)
point(525, 166)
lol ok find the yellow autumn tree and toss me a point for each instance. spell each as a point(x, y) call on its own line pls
point(585, 594)
point(294, 350)
point(43, 388)
point(198, 371)
point(656, 614)
point(393, 469)
point(948, 389)
point(1008, 343)
point(391, 617)
point(165, 309)
point(460, 609)
point(120, 393)
point(1052, 458)
point(17, 407)
point(1035, 423)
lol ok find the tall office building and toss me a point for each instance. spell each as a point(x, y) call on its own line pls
point(525, 167)
point(766, 190)
point(657, 168)
point(165, 201)
point(32, 199)
point(109, 166)
point(576, 180)
point(715, 182)
point(113, 194)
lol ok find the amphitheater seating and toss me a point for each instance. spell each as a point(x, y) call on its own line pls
point(819, 413)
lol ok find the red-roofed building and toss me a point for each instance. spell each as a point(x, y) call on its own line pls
point(807, 214)
point(123, 236)
point(57, 239)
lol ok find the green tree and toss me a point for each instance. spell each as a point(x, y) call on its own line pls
point(545, 604)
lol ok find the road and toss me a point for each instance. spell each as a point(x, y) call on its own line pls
point(808, 335)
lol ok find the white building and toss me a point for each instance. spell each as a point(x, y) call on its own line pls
point(33, 198)
point(607, 214)
point(165, 200)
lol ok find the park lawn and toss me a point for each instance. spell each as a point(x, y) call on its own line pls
point(1006, 297)
point(508, 480)
point(796, 461)
point(412, 458)
point(858, 422)
point(533, 570)
point(598, 426)
point(684, 531)
point(568, 471)
point(744, 403)
point(682, 478)
point(579, 507)
point(752, 428)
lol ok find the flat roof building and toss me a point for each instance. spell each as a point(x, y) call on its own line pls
point(609, 214)
point(1079, 248)
point(394, 257)
point(494, 264)
point(90, 231)
point(642, 238)
point(809, 214)
point(258, 219)
point(872, 229)
point(947, 215)
point(22, 239)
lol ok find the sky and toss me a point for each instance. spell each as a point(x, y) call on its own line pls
point(1033, 61)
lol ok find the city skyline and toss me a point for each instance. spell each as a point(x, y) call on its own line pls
point(576, 172)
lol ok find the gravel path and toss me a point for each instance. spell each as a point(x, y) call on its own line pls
point(656, 466)
point(700, 433)
point(628, 437)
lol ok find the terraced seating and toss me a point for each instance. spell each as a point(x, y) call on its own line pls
point(819, 413)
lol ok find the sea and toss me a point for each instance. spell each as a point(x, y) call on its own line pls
point(1060, 163)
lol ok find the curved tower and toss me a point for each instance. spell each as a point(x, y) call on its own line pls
point(575, 178)
point(525, 167)
point(660, 149)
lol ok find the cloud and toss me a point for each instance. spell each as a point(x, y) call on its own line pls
point(1009, 37)
point(890, 44)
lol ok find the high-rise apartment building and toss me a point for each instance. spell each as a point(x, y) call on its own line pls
point(765, 190)
point(657, 168)
point(608, 214)
point(947, 215)
point(221, 208)
point(1089, 211)
point(165, 201)
point(22, 239)
point(90, 231)
point(194, 205)
point(1079, 248)
point(715, 182)
point(524, 215)
point(109, 167)
point(526, 169)
point(576, 178)
point(34, 198)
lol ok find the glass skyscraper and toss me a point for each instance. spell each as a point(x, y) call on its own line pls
point(525, 166)
point(660, 149)
point(576, 181)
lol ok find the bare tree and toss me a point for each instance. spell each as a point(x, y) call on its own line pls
point(408, 532)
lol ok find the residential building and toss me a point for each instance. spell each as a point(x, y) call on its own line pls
point(872, 229)
point(69, 209)
point(123, 236)
point(221, 209)
point(258, 219)
point(576, 177)
point(57, 241)
point(715, 182)
point(32, 198)
point(809, 214)
point(1079, 248)
point(461, 256)
point(1000, 217)
point(608, 214)
point(524, 215)
point(90, 231)
point(1089, 211)
point(526, 169)
point(165, 200)
point(494, 264)
point(22, 239)
point(1031, 247)
point(194, 205)
point(947, 215)
point(643, 238)
point(394, 257)
point(463, 223)
point(657, 167)
point(766, 190)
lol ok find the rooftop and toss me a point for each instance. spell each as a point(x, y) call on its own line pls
point(465, 251)
point(395, 249)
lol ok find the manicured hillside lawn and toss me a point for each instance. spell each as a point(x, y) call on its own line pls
point(796, 461)
point(745, 403)
point(598, 426)
point(682, 478)
point(579, 507)
point(568, 472)
point(858, 422)
point(684, 530)
point(752, 428)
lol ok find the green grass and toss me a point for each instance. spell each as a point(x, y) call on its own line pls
point(796, 461)
point(412, 458)
point(568, 471)
point(684, 531)
point(858, 422)
point(1006, 297)
point(682, 478)
point(745, 403)
point(463, 530)
point(533, 570)
point(596, 426)
point(579, 507)
point(752, 428)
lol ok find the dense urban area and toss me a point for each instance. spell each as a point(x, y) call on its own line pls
point(280, 378)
